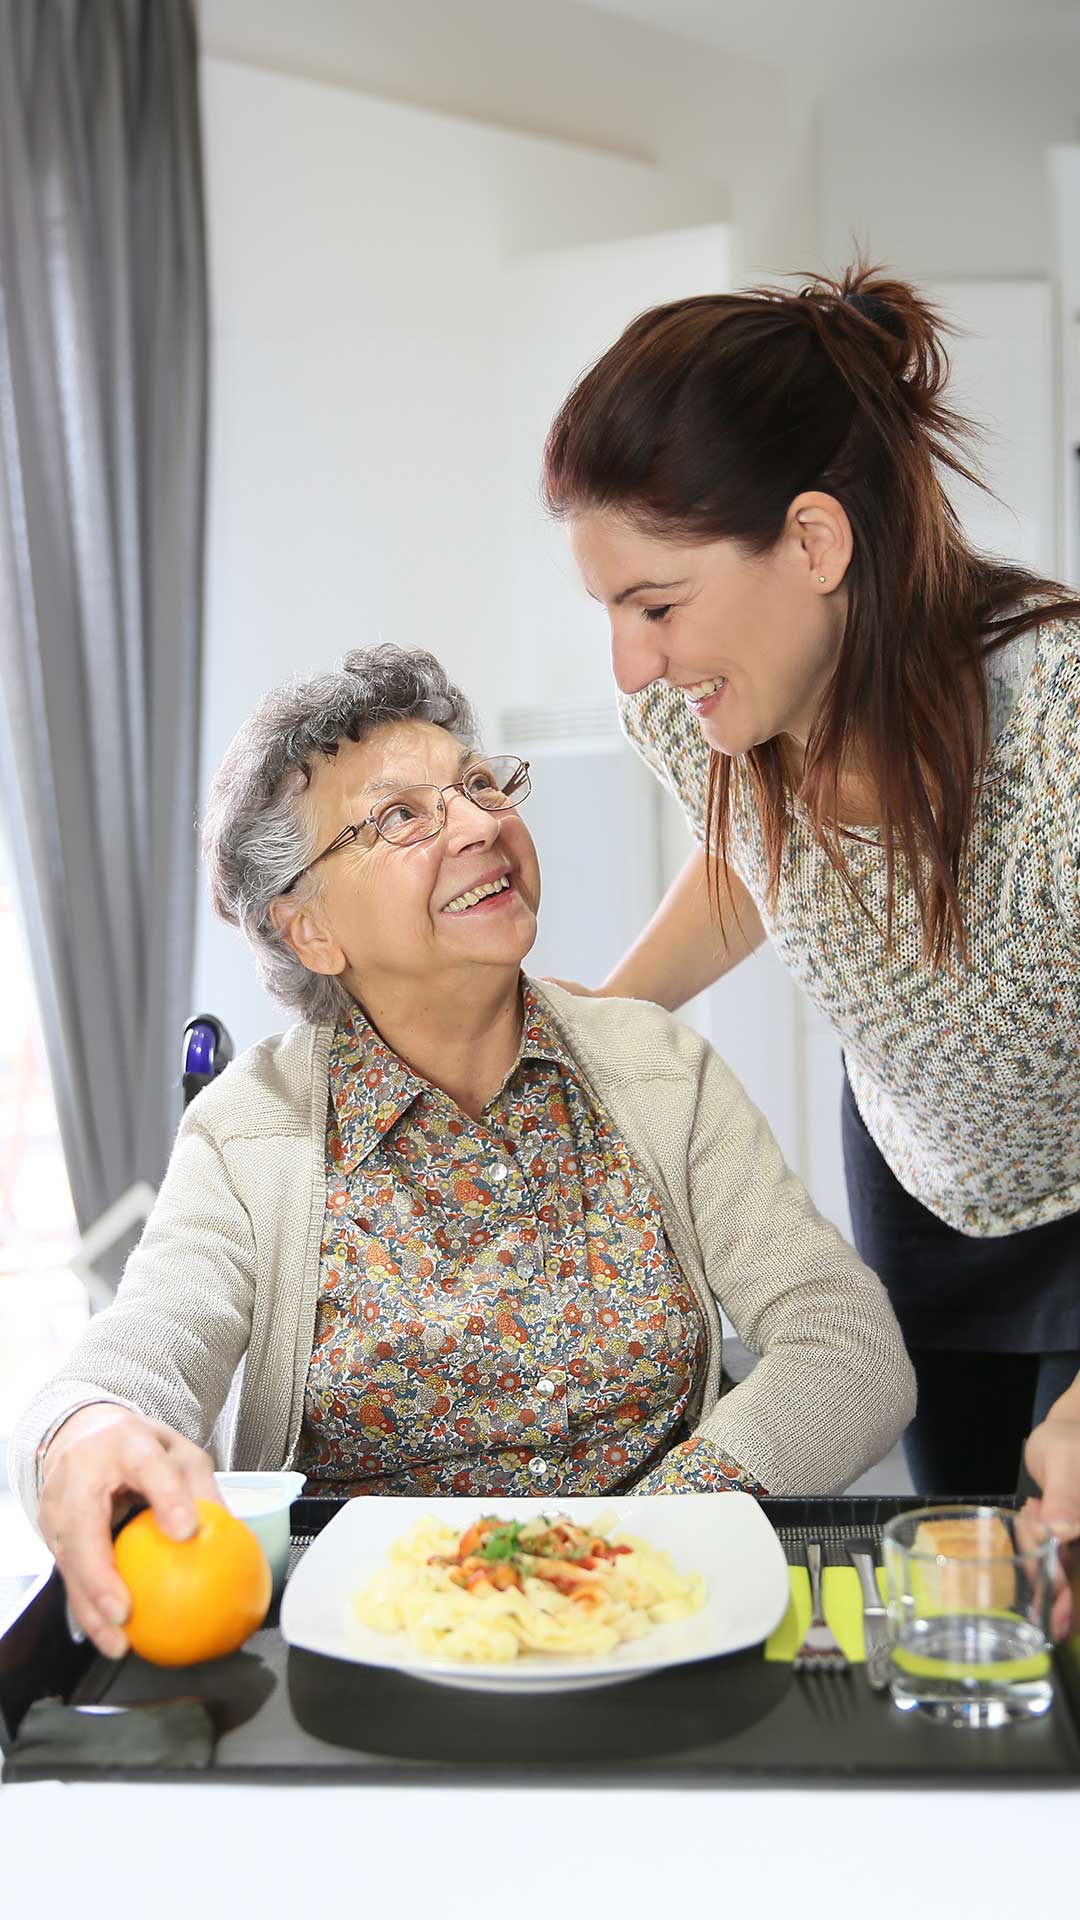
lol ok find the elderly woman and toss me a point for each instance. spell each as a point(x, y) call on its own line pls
point(467, 1233)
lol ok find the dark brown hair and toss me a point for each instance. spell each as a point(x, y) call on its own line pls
point(703, 422)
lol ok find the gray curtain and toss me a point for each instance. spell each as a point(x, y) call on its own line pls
point(102, 476)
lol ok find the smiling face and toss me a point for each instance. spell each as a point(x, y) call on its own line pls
point(389, 921)
point(749, 641)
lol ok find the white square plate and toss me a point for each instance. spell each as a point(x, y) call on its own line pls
point(724, 1536)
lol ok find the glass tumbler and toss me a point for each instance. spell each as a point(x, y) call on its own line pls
point(969, 1595)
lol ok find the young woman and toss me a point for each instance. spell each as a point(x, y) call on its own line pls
point(872, 731)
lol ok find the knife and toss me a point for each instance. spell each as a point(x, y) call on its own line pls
point(875, 1628)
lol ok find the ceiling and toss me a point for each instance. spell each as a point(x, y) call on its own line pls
point(842, 33)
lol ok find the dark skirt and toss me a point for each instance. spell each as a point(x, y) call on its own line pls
point(1015, 1293)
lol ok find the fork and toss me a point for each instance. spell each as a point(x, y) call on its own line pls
point(821, 1651)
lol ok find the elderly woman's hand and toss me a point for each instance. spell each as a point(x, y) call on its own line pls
point(95, 1462)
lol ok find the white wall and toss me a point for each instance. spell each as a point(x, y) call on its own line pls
point(1002, 356)
point(732, 136)
point(358, 254)
point(938, 164)
point(803, 132)
point(563, 309)
point(1064, 174)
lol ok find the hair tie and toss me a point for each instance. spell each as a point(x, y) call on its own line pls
point(868, 307)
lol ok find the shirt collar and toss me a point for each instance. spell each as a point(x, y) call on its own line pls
point(371, 1087)
point(540, 1039)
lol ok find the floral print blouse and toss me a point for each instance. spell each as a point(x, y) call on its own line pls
point(499, 1310)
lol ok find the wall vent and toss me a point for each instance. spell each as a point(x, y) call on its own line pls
point(569, 729)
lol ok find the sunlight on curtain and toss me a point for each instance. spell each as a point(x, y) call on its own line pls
point(42, 1306)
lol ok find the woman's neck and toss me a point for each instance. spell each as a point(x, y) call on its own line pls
point(858, 803)
point(858, 789)
point(464, 1041)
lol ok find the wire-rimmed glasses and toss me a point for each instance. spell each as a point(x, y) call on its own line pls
point(406, 818)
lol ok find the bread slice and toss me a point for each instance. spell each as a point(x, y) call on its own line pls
point(975, 1571)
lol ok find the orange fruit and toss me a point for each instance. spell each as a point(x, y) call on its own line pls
point(192, 1599)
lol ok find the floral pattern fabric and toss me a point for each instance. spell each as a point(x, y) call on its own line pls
point(695, 1466)
point(500, 1311)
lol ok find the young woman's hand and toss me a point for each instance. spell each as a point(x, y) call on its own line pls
point(102, 1457)
point(1052, 1456)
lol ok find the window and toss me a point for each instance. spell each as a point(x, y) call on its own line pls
point(43, 1307)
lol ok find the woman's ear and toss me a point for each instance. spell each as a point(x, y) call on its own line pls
point(303, 929)
point(822, 539)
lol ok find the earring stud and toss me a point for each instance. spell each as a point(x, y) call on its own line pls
point(821, 577)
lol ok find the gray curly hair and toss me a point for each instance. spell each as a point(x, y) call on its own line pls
point(258, 831)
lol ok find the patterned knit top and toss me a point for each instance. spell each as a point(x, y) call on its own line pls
point(968, 1079)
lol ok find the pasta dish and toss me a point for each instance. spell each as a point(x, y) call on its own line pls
point(504, 1588)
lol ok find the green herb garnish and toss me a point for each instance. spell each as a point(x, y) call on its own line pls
point(503, 1544)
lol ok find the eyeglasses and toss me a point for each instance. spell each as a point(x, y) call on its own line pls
point(416, 814)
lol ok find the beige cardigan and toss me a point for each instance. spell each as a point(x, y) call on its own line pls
point(227, 1270)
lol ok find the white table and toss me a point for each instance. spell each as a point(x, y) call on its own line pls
point(248, 1853)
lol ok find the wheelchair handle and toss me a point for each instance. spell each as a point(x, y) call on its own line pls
point(207, 1051)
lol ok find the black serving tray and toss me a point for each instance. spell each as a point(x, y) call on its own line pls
point(286, 1715)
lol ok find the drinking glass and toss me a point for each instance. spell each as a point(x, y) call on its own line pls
point(969, 1595)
